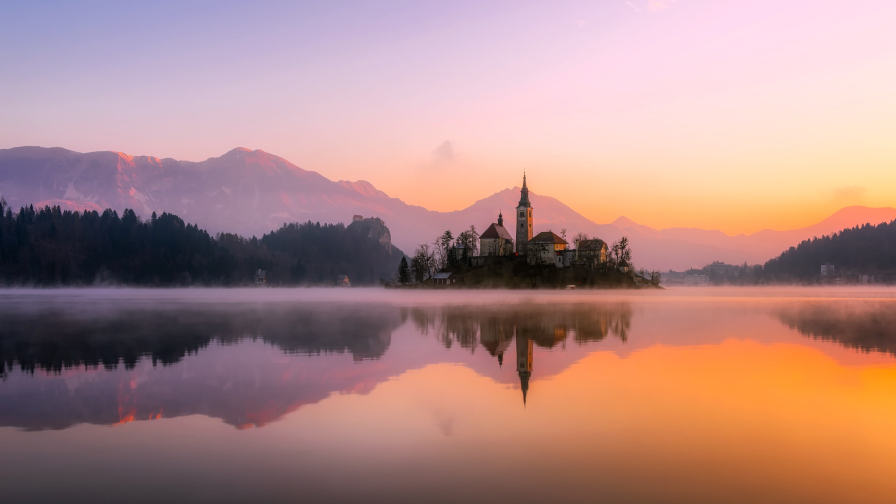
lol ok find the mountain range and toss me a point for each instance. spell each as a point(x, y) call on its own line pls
point(251, 192)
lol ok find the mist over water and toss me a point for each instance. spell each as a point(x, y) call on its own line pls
point(341, 395)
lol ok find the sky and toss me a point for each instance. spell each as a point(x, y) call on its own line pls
point(737, 116)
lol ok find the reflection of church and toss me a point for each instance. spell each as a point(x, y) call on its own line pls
point(590, 325)
point(525, 326)
point(524, 363)
point(497, 338)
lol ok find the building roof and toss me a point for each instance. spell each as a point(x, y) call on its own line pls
point(494, 232)
point(547, 237)
point(442, 276)
point(595, 244)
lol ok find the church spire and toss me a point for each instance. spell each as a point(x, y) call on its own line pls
point(524, 193)
point(524, 385)
point(501, 219)
point(524, 363)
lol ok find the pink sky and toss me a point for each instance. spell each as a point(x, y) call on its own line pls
point(730, 115)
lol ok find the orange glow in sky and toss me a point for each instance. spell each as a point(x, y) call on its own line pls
point(736, 116)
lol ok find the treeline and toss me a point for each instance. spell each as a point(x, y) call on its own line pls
point(861, 254)
point(866, 249)
point(50, 246)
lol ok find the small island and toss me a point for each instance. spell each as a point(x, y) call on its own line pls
point(498, 259)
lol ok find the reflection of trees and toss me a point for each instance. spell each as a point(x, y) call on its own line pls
point(866, 328)
point(53, 340)
point(546, 325)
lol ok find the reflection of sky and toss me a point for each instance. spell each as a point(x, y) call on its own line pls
point(706, 400)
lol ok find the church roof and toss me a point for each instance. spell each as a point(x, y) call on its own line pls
point(495, 231)
point(547, 237)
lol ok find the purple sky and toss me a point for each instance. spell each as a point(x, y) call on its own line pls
point(730, 115)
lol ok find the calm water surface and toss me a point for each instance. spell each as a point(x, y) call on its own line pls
point(331, 395)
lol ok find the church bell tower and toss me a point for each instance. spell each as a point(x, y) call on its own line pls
point(523, 219)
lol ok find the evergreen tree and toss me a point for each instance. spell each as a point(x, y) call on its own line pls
point(404, 274)
point(52, 246)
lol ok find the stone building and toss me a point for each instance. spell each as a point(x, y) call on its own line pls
point(496, 240)
point(591, 252)
point(546, 248)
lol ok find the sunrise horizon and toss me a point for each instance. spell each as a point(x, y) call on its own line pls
point(434, 251)
point(804, 220)
point(736, 117)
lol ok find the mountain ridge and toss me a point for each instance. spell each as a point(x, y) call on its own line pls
point(252, 192)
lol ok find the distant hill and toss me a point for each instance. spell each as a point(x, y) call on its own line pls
point(251, 192)
point(861, 250)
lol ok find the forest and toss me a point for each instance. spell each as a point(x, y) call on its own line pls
point(867, 249)
point(49, 246)
point(862, 254)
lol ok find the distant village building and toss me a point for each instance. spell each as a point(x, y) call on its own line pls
point(496, 240)
point(260, 277)
point(523, 219)
point(827, 270)
point(546, 248)
point(343, 281)
point(444, 278)
point(696, 280)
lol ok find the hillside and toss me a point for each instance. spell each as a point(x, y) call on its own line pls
point(250, 192)
point(867, 250)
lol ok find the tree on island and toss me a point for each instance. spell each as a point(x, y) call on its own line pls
point(423, 264)
point(621, 254)
point(443, 248)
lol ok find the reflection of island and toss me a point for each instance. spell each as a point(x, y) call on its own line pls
point(65, 367)
point(495, 328)
point(866, 328)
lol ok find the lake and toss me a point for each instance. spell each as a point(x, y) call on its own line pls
point(351, 395)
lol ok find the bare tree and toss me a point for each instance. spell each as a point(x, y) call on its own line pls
point(465, 242)
point(442, 245)
point(423, 263)
point(474, 240)
point(621, 253)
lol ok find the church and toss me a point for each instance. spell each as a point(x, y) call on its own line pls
point(498, 241)
point(545, 248)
